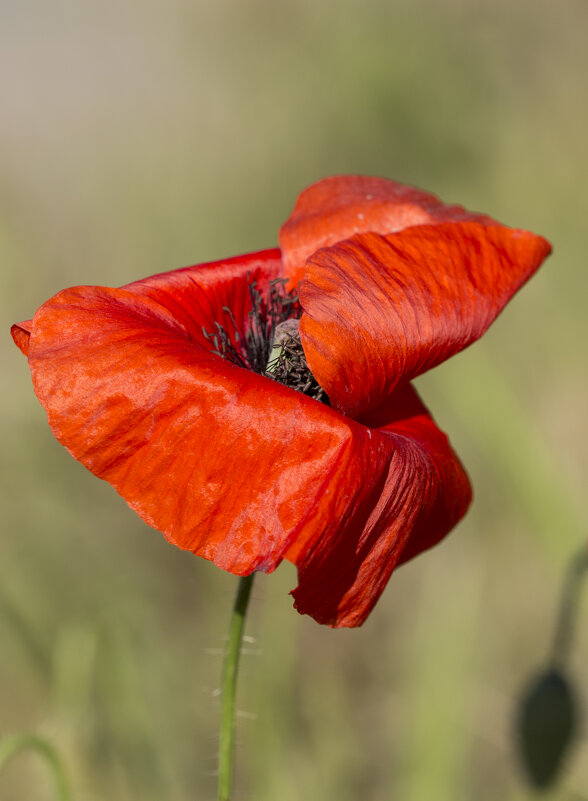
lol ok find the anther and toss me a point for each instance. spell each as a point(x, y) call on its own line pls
point(269, 342)
point(287, 363)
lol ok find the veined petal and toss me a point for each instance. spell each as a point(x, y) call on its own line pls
point(380, 310)
point(226, 463)
point(425, 493)
point(337, 208)
point(21, 333)
point(199, 295)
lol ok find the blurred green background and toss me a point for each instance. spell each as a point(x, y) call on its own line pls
point(143, 136)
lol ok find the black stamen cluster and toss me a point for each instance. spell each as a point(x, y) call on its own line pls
point(264, 318)
point(223, 344)
point(290, 368)
point(251, 349)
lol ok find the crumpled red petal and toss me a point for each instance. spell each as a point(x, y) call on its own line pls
point(224, 462)
point(199, 295)
point(336, 208)
point(425, 493)
point(380, 310)
point(227, 463)
point(198, 292)
point(21, 333)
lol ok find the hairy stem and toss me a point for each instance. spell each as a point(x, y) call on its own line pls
point(228, 689)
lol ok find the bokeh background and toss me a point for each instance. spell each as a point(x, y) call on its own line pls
point(138, 136)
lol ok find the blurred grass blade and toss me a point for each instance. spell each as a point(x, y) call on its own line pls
point(11, 746)
point(28, 637)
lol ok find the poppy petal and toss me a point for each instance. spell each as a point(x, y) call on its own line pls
point(425, 493)
point(199, 295)
point(21, 333)
point(226, 463)
point(337, 208)
point(379, 310)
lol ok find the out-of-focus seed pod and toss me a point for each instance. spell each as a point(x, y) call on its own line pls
point(546, 724)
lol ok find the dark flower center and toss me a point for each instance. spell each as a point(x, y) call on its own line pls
point(287, 363)
point(270, 344)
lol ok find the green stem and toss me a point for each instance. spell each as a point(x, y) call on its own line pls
point(569, 607)
point(10, 746)
point(228, 688)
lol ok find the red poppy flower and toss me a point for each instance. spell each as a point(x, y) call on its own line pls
point(163, 389)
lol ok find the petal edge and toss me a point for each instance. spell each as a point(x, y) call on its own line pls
point(338, 207)
point(380, 310)
point(425, 492)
